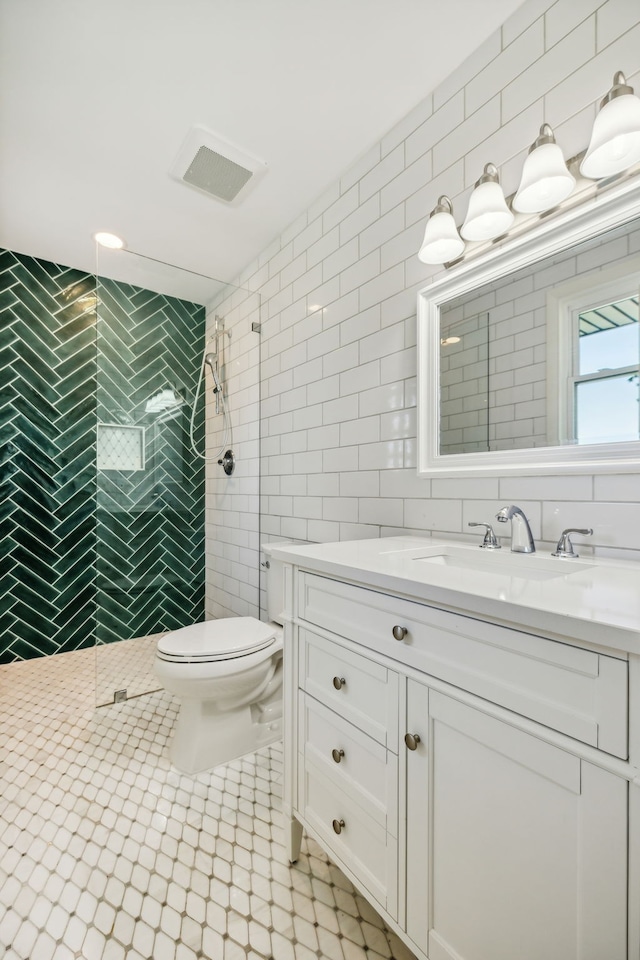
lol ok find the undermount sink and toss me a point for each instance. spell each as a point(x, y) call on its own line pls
point(503, 563)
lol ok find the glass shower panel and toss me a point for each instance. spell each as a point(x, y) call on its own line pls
point(150, 485)
point(464, 381)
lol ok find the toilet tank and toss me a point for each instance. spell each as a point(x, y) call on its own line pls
point(274, 573)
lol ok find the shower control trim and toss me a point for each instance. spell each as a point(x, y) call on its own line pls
point(228, 462)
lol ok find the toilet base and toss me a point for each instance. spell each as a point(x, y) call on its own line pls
point(204, 737)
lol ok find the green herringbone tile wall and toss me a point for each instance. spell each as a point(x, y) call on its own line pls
point(93, 556)
point(150, 566)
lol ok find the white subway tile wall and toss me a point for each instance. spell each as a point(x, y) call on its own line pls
point(336, 299)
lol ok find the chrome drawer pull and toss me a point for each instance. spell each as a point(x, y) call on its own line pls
point(338, 826)
point(399, 633)
point(339, 682)
point(412, 740)
point(337, 755)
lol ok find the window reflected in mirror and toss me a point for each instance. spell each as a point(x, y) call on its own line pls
point(605, 376)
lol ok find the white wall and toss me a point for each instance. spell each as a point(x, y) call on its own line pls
point(232, 503)
point(338, 304)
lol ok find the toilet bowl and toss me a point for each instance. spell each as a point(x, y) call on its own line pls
point(227, 675)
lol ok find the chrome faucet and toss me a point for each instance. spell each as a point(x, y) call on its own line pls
point(521, 536)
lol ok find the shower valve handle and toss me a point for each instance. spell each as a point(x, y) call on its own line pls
point(228, 462)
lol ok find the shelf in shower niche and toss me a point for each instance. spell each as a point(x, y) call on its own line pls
point(120, 447)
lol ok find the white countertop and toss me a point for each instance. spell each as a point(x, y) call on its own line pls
point(590, 600)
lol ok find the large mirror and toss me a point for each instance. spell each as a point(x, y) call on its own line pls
point(529, 356)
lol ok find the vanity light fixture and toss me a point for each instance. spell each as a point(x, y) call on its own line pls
point(615, 138)
point(545, 180)
point(488, 215)
point(109, 240)
point(441, 238)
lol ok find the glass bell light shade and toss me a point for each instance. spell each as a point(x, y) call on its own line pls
point(545, 180)
point(488, 215)
point(442, 241)
point(615, 138)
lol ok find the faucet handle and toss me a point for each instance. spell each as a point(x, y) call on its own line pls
point(490, 541)
point(565, 547)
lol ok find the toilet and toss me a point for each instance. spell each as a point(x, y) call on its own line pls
point(227, 675)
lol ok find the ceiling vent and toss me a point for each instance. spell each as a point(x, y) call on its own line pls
point(215, 167)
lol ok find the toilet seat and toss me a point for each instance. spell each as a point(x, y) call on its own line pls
point(213, 640)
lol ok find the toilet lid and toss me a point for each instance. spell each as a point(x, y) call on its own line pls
point(217, 639)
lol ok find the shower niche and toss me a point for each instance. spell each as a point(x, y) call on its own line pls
point(120, 446)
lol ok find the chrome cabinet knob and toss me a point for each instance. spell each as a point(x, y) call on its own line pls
point(399, 633)
point(338, 826)
point(412, 740)
point(337, 755)
point(339, 682)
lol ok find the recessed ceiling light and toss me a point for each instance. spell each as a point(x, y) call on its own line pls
point(109, 240)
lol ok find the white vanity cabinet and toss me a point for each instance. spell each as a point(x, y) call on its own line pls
point(515, 847)
point(470, 778)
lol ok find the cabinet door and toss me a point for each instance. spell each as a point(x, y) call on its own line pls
point(516, 848)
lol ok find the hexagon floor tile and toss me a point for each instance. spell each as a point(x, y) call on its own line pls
point(107, 852)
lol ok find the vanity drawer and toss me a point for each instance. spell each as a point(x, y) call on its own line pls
point(359, 766)
point(351, 685)
point(575, 691)
point(363, 846)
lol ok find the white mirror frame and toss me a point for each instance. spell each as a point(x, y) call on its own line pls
point(613, 208)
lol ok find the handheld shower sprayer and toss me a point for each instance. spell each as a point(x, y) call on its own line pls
point(214, 358)
point(210, 360)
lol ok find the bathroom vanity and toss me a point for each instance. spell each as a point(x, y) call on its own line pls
point(462, 738)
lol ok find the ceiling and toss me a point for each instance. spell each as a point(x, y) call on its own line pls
point(97, 97)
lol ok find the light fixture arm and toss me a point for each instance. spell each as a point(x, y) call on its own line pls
point(443, 205)
point(620, 88)
point(489, 175)
point(546, 135)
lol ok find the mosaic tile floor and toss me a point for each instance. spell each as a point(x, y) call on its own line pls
point(107, 852)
